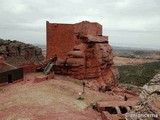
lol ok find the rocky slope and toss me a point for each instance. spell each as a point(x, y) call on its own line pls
point(16, 52)
point(149, 101)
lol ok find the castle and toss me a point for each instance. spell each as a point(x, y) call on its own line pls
point(83, 52)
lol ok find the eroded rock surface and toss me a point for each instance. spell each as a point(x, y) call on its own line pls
point(92, 58)
point(149, 100)
point(19, 53)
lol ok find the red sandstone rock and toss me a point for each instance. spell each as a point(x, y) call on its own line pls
point(76, 54)
point(1, 59)
point(39, 79)
point(80, 47)
point(96, 39)
point(73, 62)
point(51, 75)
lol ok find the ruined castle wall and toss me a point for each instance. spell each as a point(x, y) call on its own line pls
point(29, 68)
point(59, 39)
point(84, 52)
point(85, 28)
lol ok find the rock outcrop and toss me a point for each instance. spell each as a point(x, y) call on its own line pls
point(149, 104)
point(19, 53)
point(91, 58)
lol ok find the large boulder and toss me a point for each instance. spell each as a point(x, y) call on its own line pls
point(91, 59)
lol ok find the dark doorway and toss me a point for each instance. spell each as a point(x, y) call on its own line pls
point(130, 107)
point(10, 78)
point(123, 109)
point(111, 110)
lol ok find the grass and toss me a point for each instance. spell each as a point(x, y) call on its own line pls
point(138, 74)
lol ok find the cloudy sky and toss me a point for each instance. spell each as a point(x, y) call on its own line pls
point(134, 23)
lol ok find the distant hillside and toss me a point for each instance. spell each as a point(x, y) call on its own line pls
point(127, 52)
point(134, 48)
point(138, 74)
point(16, 52)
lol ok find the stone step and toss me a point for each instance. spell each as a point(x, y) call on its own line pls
point(101, 106)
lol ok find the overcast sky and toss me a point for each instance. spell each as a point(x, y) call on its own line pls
point(126, 22)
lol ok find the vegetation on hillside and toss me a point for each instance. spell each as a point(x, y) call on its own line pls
point(138, 74)
point(145, 54)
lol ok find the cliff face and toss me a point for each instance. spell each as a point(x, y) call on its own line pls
point(19, 53)
point(150, 100)
point(92, 59)
point(89, 58)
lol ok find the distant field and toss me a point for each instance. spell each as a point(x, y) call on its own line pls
point(136, 67)
point(138, 74)
point(135, 53)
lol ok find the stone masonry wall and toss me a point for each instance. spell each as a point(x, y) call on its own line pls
point(59, 39)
